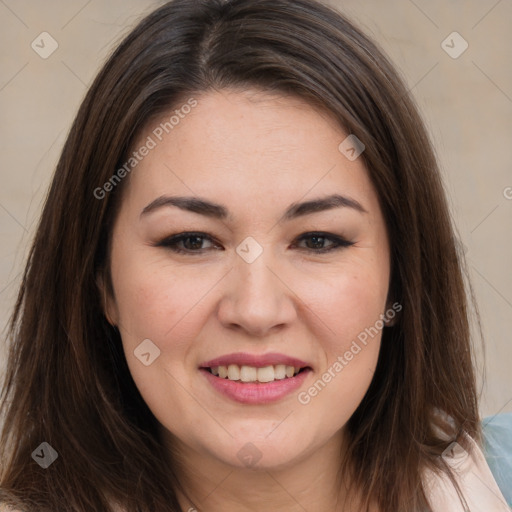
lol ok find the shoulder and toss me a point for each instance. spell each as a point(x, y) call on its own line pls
point(497, 447)
point(475, 480)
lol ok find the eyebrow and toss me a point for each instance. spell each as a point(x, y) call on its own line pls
point(217, 211)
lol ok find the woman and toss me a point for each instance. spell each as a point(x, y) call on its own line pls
point(244, 293)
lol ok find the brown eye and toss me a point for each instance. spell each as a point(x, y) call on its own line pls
point(316, 242)
point(190, 243)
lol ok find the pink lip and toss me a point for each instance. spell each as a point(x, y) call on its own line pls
point(256, 392)
point(258, 361)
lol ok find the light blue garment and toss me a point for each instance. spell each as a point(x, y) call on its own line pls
point(497, 448)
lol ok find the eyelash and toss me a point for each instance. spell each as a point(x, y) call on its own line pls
point(171, 242)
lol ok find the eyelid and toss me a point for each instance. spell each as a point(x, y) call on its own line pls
point(177, 237)
point(170, 242)
point(339, 241)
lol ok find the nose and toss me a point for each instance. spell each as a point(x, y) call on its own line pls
point(257, 299)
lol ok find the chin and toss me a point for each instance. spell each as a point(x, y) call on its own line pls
point(261, 450)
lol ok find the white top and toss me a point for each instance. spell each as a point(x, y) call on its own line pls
point(475, 479)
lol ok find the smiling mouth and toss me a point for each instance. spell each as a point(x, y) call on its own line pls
point(252, 374)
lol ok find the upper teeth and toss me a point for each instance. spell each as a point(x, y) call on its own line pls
point(253, 374)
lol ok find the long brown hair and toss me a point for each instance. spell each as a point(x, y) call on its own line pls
point(67, 381)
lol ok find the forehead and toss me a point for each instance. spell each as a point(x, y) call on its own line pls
point(246, 146)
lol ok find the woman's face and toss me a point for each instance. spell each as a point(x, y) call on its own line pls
point(248, 294)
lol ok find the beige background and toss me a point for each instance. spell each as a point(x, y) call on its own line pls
point(466, 102)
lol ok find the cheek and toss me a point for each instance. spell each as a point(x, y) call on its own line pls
point(163, 305)
point(142, 299)
point(350, 305)
point(346, 302)
point(351, 312)
point(359, 308)
point(157, 304)
point(168, 304)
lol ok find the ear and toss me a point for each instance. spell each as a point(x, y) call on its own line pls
point(105, 291)
point(392, 313)
point(389, 322)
